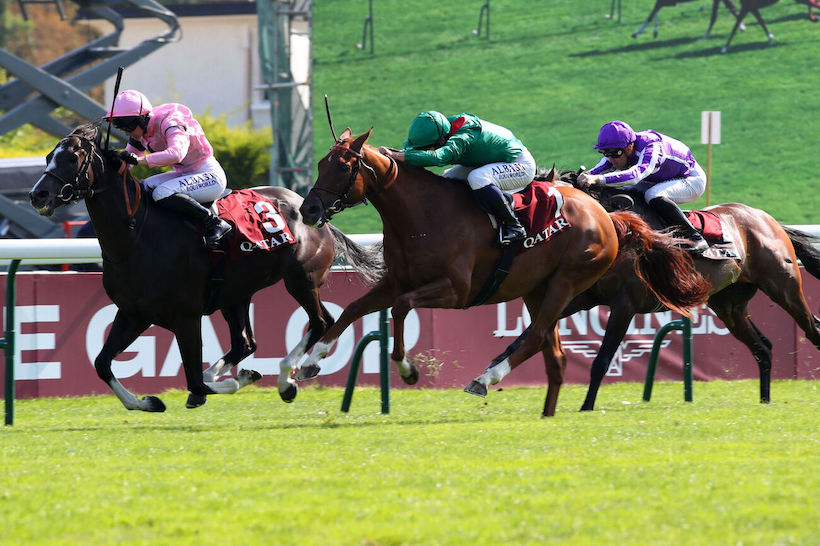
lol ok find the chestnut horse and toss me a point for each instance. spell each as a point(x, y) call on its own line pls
point(767, 261)
point(438, 252)
point(157, 270)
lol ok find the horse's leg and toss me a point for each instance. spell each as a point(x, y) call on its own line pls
point(545, 306)
point(734, 11)
point(437, 294)
point(731, 306)
point(713, 18)
point(652, 16)
point(621, 313)
point(306, 293)
point(188, 332)
point(379, 297)
point(738, 22)
point(124, 330)
point(555, 363)
point(243, 343)
point(756, 13)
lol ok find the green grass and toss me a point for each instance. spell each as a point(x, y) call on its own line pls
point(553, 72)
point(442, 468)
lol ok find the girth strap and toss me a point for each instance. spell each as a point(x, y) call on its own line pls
point(500, 272)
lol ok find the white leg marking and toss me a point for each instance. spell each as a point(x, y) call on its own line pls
point(290, 363)
point(495, 374)
point(127, 398)
point(404, 367)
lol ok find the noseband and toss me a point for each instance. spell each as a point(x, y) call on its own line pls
point(339, 204)
point(71, 191)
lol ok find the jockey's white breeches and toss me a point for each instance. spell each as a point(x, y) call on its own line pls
point(204, 184)
point(507, 176)
point(680, 190)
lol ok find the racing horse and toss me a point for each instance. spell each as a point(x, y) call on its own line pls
point(438, 252)
point(767, 260)
point(746, 7)
point(157, 271)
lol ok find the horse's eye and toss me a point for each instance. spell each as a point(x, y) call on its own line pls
point(343, 167)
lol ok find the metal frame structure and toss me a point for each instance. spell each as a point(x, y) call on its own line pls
point(37, 91)
point(291, 119)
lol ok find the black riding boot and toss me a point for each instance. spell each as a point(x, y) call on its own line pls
point(215, 227)
point(494, 200)
point(674, 217)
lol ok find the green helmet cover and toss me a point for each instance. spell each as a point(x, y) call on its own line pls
point(427, 128)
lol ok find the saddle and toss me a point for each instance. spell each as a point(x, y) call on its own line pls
point(710, 225)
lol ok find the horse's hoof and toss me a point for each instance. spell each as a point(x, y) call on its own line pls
point(249, 376)
point(290, 393)
point(307, 372)
point(479, 389)
point(153, 404)
point(195, 400)
point(413, 378)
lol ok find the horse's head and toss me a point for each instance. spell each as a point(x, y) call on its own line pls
point(70, 170)
point(346, 176)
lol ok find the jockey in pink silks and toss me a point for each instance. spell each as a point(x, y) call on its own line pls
point(168, 136)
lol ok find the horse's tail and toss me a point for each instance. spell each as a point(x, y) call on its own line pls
point(661, 263)
point(803, 244)
point(367, 260)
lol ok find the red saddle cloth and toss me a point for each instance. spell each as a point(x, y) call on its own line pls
point(708, 223)
point(258, 226)
point(538, 208)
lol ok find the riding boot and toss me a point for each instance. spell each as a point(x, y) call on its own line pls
point(215, 227)
point(674, 217)
point(495, 202)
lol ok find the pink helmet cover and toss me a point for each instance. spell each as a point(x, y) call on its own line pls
point(130, 103)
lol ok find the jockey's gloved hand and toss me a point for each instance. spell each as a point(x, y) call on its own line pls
point(127, 157)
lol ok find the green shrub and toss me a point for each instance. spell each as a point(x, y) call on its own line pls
point(243, 151)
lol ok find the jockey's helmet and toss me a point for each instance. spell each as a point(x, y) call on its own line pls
point(427, 129)
point(129, 103)
point(615, 134)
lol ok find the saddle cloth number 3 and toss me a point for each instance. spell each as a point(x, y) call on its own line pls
point(276, 223)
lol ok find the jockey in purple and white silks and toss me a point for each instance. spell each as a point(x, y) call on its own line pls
point(168, 136)
point(658, 166)
point(489, 157)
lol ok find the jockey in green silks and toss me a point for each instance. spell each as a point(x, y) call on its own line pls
point(489, 157)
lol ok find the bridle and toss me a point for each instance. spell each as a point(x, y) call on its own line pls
point(339, 204)
point(72, 191)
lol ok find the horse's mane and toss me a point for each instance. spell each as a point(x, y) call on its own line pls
point(91, 130)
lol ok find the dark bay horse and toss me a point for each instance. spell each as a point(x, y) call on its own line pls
point(439, 253)
point(768, 261)
point(157, 271)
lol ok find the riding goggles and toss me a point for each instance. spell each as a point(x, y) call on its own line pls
point(612, 152)
point(127, 123)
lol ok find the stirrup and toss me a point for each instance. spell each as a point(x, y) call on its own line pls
point(510, 235)
point(215, 232)
point(698, 245)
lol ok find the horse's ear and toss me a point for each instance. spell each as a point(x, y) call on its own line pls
point(347, 133)
point(360, 141)
point(551, 175)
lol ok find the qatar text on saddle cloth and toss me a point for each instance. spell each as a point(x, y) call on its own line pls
point(258, 224)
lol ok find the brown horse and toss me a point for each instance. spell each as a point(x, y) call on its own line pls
point(157, 271)
point(767, 261)
point(439, 254)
